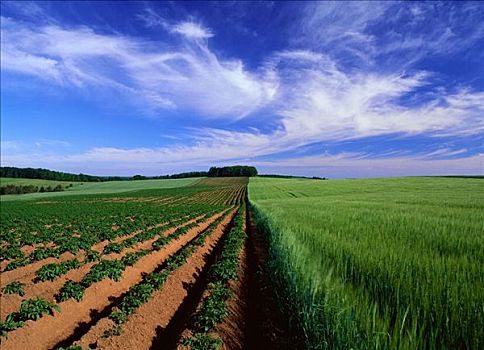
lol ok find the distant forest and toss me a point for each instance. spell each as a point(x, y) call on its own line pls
point(22, 189)
point(45, 174)
point(236, 170)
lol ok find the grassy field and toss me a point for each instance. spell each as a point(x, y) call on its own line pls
point(380, 263)
point(96, 187)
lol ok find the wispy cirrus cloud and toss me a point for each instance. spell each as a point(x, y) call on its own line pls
point(189, 28)
point(356, 165)
point(105, 161)
point(320, 101)
point(192, 30)
point(312, 96)
point(150, 18)
point(213, 146)
point(51, 143)
point(386, 34)
point(8, 145)
point(187, 77)
point(36, 145)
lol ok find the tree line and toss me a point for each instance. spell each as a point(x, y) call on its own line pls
point(45, 174)
point(183, 175)
point(236, 170)
point(21, 189)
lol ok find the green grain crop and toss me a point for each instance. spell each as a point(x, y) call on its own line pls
point(377, 264)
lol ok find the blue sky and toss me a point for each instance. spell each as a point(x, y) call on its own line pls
point(307, 88)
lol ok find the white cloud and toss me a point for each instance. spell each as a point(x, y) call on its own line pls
point(192, 30)
point(189, 28)
point(304, 55)
point(356, 165)
point(37, 148)
point(338, 27)
point(188, 77)
point(314, 97)
point(51, 143)
point(445, 152)
point(386, 34)
point(315, 100)
point(105, 161)
point(9, 145)
point(319, 101)
point(152, 19)
point(211, 145)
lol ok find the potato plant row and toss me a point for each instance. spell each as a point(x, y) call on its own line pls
point(213, 309)
point(151, 232)
point(142, 292)
point(30, 223)
point(218, 194)
point(63, 234)
point(112, 269)
point(84, 241)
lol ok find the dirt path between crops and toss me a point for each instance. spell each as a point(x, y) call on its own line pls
point(266, 326)
point(140, 329)
point(48, 331)
point(232, 330)
point(254, 320)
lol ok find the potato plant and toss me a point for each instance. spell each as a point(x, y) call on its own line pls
point(14, 287)
point(69, 229)
point(50, 272)
point(30, 309)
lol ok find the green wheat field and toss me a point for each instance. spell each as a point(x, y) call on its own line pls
point(381, 263)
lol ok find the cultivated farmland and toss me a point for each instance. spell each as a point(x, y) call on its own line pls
point(380, 263)
point(192, 264)
point(152, 268)
point(79, 188)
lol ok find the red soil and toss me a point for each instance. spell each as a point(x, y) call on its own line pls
point(50, 330)
point(233, 328)
point(48, 289)
point(141, 327)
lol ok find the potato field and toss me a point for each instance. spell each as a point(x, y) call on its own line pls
point(139, 270)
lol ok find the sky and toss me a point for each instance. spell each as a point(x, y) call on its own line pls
point(333, 89)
